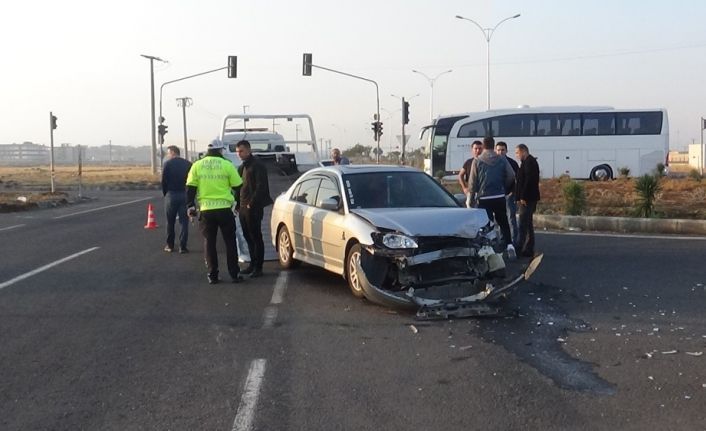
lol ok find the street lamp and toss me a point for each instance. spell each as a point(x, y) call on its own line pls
point(431, 85)
point(488, 34)
point(154, 125)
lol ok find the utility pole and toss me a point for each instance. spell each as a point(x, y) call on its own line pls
point(193, 147)
point(154, 125)
point(183, 102)
point(110, 152)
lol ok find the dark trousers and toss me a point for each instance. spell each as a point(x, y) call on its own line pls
point(210, 222)
point(525, 242)
point(175, 204)
point(512, 215)
point(496, 211)
point(251, 221)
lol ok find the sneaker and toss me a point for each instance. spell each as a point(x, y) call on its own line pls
point(213, 279)
point(511, 254)
point(183, 250)
point(168, 249)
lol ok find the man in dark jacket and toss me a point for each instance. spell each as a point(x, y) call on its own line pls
point(490, 176)
point(254, 197)
point(501, 150)
point(526, 195)
point(174, 175)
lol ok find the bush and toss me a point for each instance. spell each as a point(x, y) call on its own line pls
point(624, 172)
point(574, 196)
point(694, 174)
point(660, 170)
point(647, 188)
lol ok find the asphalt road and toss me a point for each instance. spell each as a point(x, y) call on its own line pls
point(125, 336)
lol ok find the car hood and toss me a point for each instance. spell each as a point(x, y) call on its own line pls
point(461, 222)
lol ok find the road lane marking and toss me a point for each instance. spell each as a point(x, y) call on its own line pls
point(270, 317)
point(280, 288)
point(270, 314)
point(622, 235)
point(101, 208)
point(248, 402)
point(45, 267)
point(12, 227)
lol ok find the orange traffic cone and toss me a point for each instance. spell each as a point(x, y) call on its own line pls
point(151, 221)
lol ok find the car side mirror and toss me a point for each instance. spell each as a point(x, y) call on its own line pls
point(331, 204)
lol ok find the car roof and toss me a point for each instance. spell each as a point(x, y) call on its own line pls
point(363, 169)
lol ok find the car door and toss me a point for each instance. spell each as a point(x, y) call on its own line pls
point(329, 234)
point(303, 198)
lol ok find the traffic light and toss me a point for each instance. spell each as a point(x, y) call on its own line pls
point(405, 112)
point(52, 120)
point(377, 129)
point(232, 66)
point(162, 130)
point(306, 66)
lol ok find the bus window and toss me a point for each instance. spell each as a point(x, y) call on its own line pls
point(513, 125)
point(476, 129)
point(639, 123)
point(598, 124)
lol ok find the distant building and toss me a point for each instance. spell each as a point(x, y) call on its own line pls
point(29, 154)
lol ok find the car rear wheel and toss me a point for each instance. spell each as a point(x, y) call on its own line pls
point(285, 250)
point(352, 274)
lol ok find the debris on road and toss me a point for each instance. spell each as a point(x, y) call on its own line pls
point(414, 329)
point(670, 352)
point(694, 353)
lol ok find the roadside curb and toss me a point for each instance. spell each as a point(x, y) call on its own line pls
point(621, 224)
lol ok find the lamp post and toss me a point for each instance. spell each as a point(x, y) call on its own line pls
point(154, 125)
point(431, 85)
point(488, 34)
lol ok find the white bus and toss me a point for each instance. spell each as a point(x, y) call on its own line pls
point(582, 142)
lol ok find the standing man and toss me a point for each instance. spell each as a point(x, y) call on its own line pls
point(501, 150)
point(527, 196)
point(490, 176)
point(215, 180)
point(254, 197)
point(174, 175)
point(338, 159)
point(476, 149)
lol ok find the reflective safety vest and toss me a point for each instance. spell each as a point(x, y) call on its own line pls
point(214, 177)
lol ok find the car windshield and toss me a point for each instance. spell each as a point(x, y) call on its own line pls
point(395, 190)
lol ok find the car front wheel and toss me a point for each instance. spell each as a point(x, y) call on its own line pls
point(285, 249)
point(352, 274)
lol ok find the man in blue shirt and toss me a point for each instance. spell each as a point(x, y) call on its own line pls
point(174, 191)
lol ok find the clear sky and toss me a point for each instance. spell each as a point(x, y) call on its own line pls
point(81, 60)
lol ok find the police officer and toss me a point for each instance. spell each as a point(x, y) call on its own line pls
point(215, 180)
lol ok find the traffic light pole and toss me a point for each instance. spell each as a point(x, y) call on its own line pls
point(377, 94)
point(404, 138)
point(52, 124)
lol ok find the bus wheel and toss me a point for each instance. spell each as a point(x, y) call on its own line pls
point(601, 173)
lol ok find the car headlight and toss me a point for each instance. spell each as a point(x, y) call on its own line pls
point(396, 240)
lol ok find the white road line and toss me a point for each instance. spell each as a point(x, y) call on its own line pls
point(623, 235)
point(45, 267)
point(102, 208)
point(248, 402)
point(280, 288)
point(12, 227)
point(270, 317)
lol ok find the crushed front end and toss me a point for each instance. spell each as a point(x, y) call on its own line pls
point(440, 276)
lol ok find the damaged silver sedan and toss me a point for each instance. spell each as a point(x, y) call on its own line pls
point(398, 238)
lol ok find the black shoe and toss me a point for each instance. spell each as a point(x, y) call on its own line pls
point(248, 270)
point(256, 273)
point(237, 279)
point(213, 279)
point(183, 250)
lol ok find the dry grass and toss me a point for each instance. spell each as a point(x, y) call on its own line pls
point(34, 183)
